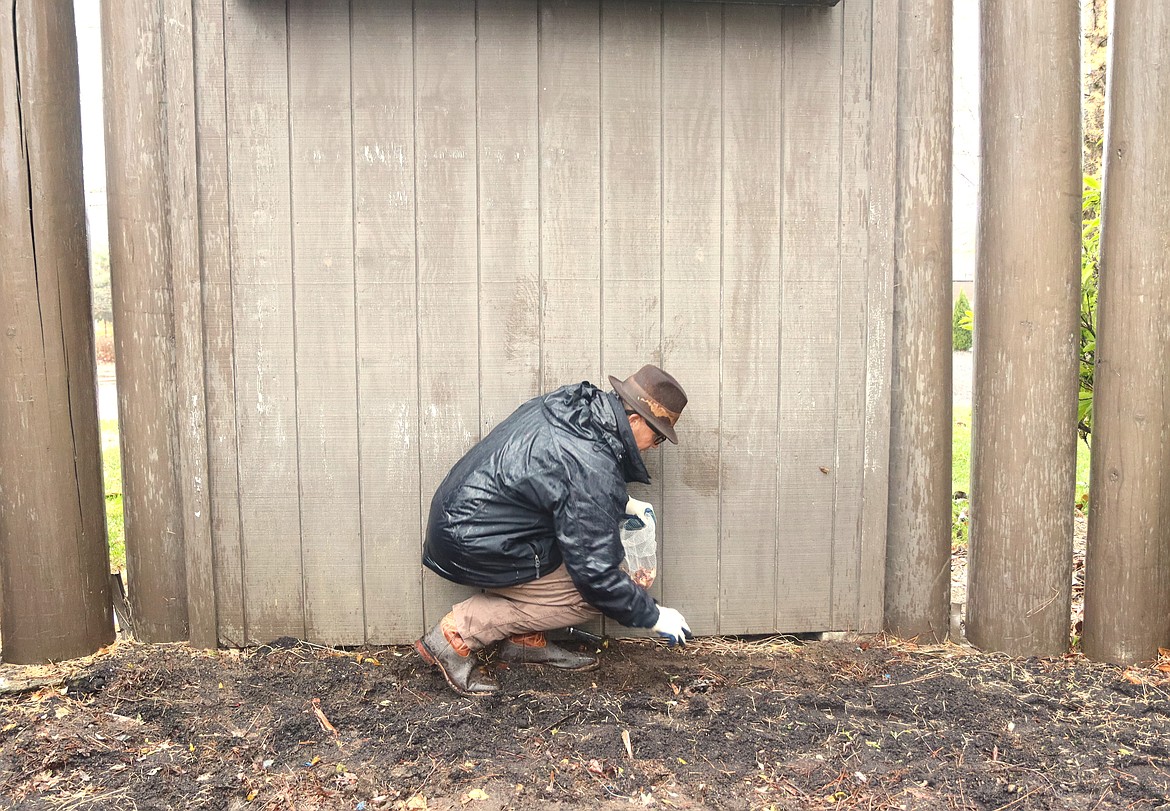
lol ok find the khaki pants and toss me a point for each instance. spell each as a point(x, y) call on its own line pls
point(549, 602)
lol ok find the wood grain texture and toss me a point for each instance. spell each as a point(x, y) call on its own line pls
point(1023, 461)
point(918, 548)
point(218, 328)
point(570, 207)
point(53, 555)
point(321, 158)
point(809, 316)
point(387, 318)
point(1127, 571)
point(448, 269)
point(631, 209)
point(187, 296)
point(522, 194)
point(752, 178)
point(265, 361)
point(882, 137)
point(691, 289)
point(143, 306)
point(849, 467)
point(509, 216)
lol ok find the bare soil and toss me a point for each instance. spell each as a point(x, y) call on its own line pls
point(721, 724)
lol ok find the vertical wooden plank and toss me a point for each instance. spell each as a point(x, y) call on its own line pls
point(509, 215)
point(918, 542)
point(854, 204)
point(136, 111)
point(691, 201)
point(447, 253)
point(260, 221)
point(321, 156)
point(187, 297)
point(385, 279)
point(809, 222)
point(215, 257)
point(570, 215)
point(752, 104)
point(631, 209)
point(879, 310)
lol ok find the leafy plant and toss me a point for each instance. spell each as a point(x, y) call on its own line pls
point(1090, 265)
point(960, 324)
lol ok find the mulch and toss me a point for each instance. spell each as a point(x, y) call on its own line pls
point(725, 723)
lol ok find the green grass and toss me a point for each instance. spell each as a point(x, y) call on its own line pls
point(112, 473)
point(961, 473)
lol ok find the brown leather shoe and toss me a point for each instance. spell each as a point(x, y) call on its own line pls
point(535, 649)
point(458, 664)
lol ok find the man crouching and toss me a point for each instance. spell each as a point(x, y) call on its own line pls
point(530, 515)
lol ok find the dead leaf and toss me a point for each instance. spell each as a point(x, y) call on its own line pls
point(626, 741)
point(416, 803)
point(825, 470)
point(474, 794)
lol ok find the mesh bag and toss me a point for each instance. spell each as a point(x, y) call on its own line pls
point(637, 533)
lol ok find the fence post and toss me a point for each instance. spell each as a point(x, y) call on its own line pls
point(1027, 298)
point(54, 561)
point(1127, 573)
point(918, 548)
point(144, 329)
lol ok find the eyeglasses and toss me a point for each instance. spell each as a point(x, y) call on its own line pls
point(659, 437)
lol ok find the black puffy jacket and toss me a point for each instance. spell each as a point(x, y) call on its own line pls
point(546, 486)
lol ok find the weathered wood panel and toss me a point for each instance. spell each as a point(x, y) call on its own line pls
point(848, 469)
point(448, 253)
point(187, 294)
point(570, 204)
point(385, 273)
point(752, 184)
point(692, 147)
point(879, 277)
point(218, 328)
point(810, 317)
point(509, 213)
point(631, 205)
point(140, 219)
point(321, 157)
point(256, 54)
point(452, 207)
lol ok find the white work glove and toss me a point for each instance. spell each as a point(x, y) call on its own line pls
point(640, 510)
point(672, 627)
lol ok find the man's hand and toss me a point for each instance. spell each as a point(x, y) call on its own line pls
point(672, 627)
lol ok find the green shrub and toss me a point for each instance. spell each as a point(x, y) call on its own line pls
point(1090, 262)
point(961, 324)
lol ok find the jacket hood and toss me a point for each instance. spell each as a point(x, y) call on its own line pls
point(587, 412)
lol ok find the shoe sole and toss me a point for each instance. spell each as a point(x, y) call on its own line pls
point(431, 659)
point(525, 663)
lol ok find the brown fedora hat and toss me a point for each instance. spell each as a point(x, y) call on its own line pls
point(655, 395)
